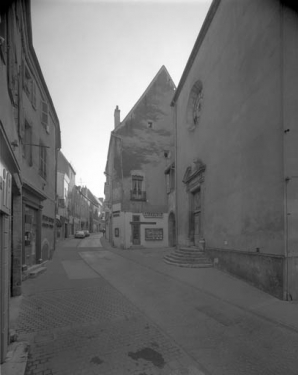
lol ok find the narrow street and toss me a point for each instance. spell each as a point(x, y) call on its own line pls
point(98, 310)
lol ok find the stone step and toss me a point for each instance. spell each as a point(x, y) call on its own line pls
point(186, 260)
point(190, 265)
point(37, 271)
point(188, 255)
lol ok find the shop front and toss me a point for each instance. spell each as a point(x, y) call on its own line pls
point(9, 174)
point(32, 219)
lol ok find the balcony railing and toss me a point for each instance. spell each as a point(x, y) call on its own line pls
point(138, 196)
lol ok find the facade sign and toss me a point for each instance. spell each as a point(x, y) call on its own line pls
point(47, 222)
point(153, 214)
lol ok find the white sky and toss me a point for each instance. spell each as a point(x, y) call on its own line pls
point(95, 55)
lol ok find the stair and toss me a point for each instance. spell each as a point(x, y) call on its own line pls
point(191, 257)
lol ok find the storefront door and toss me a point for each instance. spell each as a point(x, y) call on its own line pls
point(30, 236)
point(4, 286)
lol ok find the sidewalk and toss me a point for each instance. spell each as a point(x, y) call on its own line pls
point(218, 284)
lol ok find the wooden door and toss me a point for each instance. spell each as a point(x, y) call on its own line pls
point(136, 238)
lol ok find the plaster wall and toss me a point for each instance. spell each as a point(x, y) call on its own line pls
point(240, 134)
point(290, 113)
point(146, 132)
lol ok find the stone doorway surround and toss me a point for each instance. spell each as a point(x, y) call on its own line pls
point(194, 180)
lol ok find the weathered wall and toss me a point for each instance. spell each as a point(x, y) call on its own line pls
point(290, 113)
point(263, 271)
point(138, 146)
point(142, 146)
point(239, 136)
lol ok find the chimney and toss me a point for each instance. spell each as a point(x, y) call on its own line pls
point(116, 117)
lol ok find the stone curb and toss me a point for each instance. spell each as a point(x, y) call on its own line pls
point(16, 359)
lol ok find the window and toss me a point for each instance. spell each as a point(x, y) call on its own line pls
point(137, 192)
point(3, 37)
point(27, 145)
point(194, 106)
point(33, 94)
point(42, 160)
point(45, 115)
point(29, 86)
point(27, 81)
point(170, 179)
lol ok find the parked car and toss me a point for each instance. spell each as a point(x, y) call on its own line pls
point(87, 234)
point(79, 234)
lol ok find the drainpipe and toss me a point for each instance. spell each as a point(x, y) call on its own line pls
point(176, 174)
point(286, 179)
point(122, 188)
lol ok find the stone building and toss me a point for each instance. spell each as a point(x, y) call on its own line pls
point(65, 185)
point(135, 196)
point(30, 139)
point(237, 134)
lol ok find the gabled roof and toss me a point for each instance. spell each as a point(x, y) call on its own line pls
point(207, 22)
point(162, 69)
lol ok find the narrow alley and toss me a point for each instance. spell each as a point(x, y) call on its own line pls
point(99, 310)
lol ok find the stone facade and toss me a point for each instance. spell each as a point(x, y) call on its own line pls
point(237, 135)
point(29, 139)
point(65, 185)
point(136, 198)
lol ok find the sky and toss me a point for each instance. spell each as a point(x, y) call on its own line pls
point(97, 54)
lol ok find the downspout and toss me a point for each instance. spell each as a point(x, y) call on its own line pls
point(286, 178)
point(176, 174)
point(122, 186)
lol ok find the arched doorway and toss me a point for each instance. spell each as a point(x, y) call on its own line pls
point(172, 230)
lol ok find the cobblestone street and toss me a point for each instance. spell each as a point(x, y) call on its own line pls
point(93, 329)
point(106, 311)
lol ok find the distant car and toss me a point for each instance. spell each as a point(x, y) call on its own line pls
point(79, 234)
point(87, 234)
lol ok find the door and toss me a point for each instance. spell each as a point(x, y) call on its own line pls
point(197, 224)
point(196, 200)
point(172, 230)
point(135, 227)
point(30, 236)
point(4, 286)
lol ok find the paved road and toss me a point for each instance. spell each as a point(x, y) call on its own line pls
point(77, 323)
point(102, 311)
